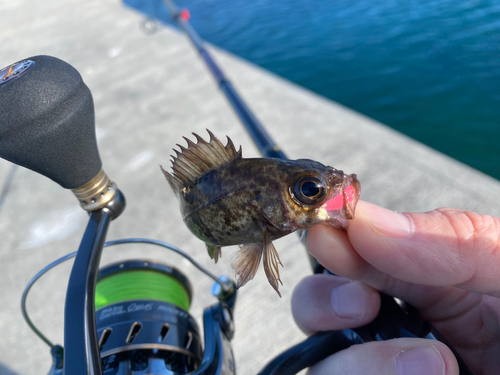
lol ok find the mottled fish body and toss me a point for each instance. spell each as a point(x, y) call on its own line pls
point(228, 200)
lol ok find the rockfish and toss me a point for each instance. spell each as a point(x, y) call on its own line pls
point(228, 200)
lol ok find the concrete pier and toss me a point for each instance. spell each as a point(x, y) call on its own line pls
point(149, 91)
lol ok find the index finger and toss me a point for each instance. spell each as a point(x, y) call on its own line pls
point(439, 248)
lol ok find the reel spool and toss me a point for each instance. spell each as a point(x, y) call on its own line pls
point(143, 323)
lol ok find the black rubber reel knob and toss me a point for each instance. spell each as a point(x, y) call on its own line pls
point(47, 121)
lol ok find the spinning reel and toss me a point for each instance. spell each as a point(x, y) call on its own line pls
point(137, 321)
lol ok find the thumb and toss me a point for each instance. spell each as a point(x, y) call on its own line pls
point(441, 247)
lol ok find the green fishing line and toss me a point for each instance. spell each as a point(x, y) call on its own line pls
point(140, 285)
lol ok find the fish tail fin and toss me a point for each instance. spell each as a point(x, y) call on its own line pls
point(245, 262)
point(214, 251)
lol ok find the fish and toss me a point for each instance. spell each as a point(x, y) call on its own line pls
point(226, 199)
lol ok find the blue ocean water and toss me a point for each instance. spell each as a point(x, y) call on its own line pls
point(428, 68)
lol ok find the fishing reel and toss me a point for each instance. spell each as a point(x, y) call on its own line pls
point(143, 321)
point(131, 317)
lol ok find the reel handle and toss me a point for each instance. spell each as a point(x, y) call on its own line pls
point(47, 121)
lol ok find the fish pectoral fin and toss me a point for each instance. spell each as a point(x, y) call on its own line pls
point(245, 262)
point(271, 262)
point(214, 251)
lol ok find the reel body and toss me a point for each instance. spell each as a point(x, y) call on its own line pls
point(143, 321)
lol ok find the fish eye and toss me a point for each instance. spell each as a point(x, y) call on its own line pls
point(309, 190)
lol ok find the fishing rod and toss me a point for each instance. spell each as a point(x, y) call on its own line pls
point(266, 145)
point(264, 142)
point(395, 318)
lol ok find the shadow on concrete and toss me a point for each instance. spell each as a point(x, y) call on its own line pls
point(6, 371)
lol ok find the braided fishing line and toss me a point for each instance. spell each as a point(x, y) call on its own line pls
point(140, 285)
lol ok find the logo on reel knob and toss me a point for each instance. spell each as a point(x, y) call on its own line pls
point(15, 70)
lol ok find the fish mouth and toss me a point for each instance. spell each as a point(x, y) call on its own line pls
point(340, 206)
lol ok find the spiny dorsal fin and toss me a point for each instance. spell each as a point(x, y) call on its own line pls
point(198, 158)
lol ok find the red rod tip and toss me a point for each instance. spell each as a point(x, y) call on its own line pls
point(185, 15)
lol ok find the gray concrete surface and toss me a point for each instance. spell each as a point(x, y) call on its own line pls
point(149, 91)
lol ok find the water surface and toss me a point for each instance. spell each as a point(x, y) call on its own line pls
point(428, 68)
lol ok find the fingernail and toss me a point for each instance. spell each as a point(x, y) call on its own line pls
point(387, 222)
point(348, 300)
point(417, 361)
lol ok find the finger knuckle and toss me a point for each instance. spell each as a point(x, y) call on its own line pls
point(475, 234)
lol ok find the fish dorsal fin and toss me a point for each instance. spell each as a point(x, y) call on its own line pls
point(199, 158)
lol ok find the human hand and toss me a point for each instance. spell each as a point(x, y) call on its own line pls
point(444, 262)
